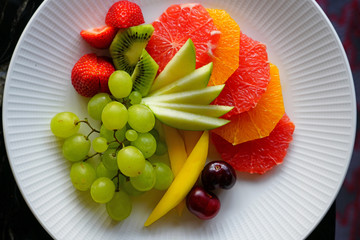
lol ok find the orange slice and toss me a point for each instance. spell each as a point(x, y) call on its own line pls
point(258, 122)
point(226, 54)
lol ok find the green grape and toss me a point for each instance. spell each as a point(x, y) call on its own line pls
point(99, 144)
point(161, 148)
point(120, 206)
point(76, 147)
point(131, 161)
point(146, 180)
point(120, 134)
point(96, 105)
point(146, 143)
point(155, 133)
point(82, 175)
point(164, 176)
point(135, 97)
point(131, 135)
point(129, 189)
point(64, 124)
point(109, 136)
point(159, 128)
point(160, 158)
point(102, 190)
point(102, 171)
point(109, 159)
point(141, 118)
point(114, 115)
point(120, 84)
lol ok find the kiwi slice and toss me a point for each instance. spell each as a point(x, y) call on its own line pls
point(128, 44)
point(144, 73)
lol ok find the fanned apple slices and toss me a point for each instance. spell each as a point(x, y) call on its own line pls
point(202, 96)
point(197, 79)
point(180, 96)
point(186, 120)
point(205, 110)
point(183, 63)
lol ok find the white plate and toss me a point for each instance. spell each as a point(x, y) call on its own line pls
point(287, 203)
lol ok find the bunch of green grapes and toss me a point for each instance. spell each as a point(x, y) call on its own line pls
point(126, 141)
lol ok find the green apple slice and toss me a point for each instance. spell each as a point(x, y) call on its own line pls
point(180, 65)
point(202, 96)
point(198, 79)
point(186, 120)
point(206, 110)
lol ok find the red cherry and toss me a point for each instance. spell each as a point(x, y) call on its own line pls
point(205, 205)
point(218, 174)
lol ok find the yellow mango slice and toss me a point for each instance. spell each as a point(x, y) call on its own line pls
point(176, 148)
point(177, 155)
point(190, 139)
point(184, 180)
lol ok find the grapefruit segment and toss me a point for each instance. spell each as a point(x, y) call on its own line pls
point(260, 155)
point(175, 26)
point(258, 122)
point(226, 55)
point(246, 85)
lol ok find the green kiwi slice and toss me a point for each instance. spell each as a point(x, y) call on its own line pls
point(144, 73)
point(127, 46)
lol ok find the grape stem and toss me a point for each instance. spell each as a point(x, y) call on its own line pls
point(88, 157)
point(118, 180)
point(117, 140)
point(89, 125)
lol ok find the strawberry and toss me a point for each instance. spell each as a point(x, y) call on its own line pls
point(90, 74)
point(84, 75)
point(105, 69)
point(100, 37)
point(124, 14)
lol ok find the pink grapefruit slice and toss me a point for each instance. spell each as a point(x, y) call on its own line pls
point(175, 26)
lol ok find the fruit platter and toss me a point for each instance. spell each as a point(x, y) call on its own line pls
point(190, 119)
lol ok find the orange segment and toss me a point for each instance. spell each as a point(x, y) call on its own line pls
point(258, 122)
point(226, 54)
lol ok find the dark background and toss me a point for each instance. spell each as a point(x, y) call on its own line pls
point(18, 222)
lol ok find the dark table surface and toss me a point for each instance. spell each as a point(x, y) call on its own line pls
point(16, 219)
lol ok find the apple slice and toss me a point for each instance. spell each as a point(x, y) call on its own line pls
point(185, 120)
point(206, 110)
point(196, 80)
point(202, 96)
point(180, 65)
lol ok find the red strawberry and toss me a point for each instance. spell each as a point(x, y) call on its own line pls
point(124, 14)
point(105, 69)
point(84, 75)
point(90, 74)
point(100, 37)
